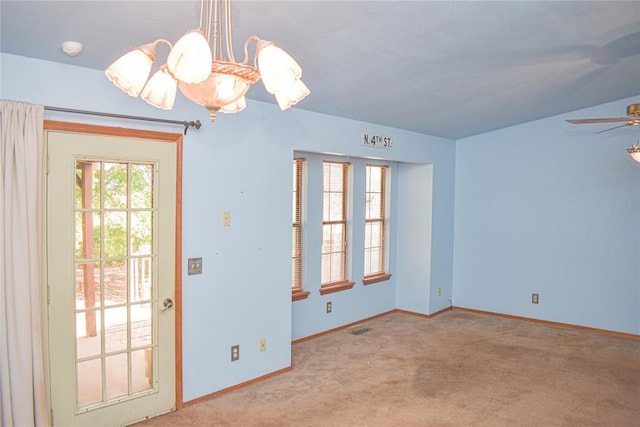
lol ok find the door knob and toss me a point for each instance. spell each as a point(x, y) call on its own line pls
point(167, 304)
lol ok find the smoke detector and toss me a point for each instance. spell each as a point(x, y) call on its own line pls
point(72, 48)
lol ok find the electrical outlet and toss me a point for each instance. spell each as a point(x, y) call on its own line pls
point(329, 307)
point(439, 292)
point(194, 266)
point(263, 344)
point(226, 219)
point(235, 352)
point(535, 298)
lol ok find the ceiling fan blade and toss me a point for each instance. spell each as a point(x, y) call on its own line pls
point(631, 123)
point(606, 120)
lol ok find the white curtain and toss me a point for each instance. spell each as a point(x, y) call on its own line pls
point(23, 401)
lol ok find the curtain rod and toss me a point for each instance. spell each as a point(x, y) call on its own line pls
point(185, 123)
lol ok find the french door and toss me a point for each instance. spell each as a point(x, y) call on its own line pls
point(111, 243)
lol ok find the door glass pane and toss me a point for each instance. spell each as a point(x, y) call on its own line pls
point(117, 380)
point(141, 232)
point(88, 340)
point(141, 275)
point(115, 234)
point(141, 186)
point(88, 285)
point(141, 325)
point(116, 330)
point(87, 234)
point(88, 184)
point(114, 280)
point(142, 369)
point(115, 185)
point(89, 382)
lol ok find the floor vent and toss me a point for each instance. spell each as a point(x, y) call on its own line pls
point(359, 331)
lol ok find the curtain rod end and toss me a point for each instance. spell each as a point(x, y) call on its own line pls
point(195, 124)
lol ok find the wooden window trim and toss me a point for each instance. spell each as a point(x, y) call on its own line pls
point(329, 288)
point(299, 294)
point(375, 278)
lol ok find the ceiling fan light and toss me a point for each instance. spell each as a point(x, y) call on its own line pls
point(190, 58)
point(634, 152)
point(160, 91)
point(292, 95)
point(131, 71)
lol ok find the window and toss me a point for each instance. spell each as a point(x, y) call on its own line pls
point(297, 292)
point(324, 195)
point(334, 227)
point(375, 225)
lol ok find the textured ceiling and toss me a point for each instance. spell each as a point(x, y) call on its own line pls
point(450, 69)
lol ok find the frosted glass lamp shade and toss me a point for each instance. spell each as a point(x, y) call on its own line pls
point(131, 71)
point(227, 82)
point(236, 106)
point(190, 58)
point(277, 69)
point(161, 90)
point(280, 75)
point(292, 95)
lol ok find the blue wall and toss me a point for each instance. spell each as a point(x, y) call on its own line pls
point(541, 207)
point(551, 208)
point(242, 164)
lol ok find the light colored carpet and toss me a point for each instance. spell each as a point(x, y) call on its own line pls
point(456, 369)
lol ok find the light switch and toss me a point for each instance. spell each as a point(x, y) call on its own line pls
point(226, 218)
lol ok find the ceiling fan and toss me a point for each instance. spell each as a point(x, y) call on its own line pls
point(633, 119)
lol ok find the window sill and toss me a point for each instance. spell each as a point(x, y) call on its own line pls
point(299, 294)
point(368, 280)
point(335, 287)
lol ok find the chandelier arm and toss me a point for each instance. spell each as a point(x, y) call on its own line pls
point(216, 44)
point(167, 42)
point(246, 51)
point(212, 28)
point(150, 49)
point(227, 29)
point(206, 9)
point(201, 15)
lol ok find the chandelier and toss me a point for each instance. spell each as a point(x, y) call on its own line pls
point(202, 65)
